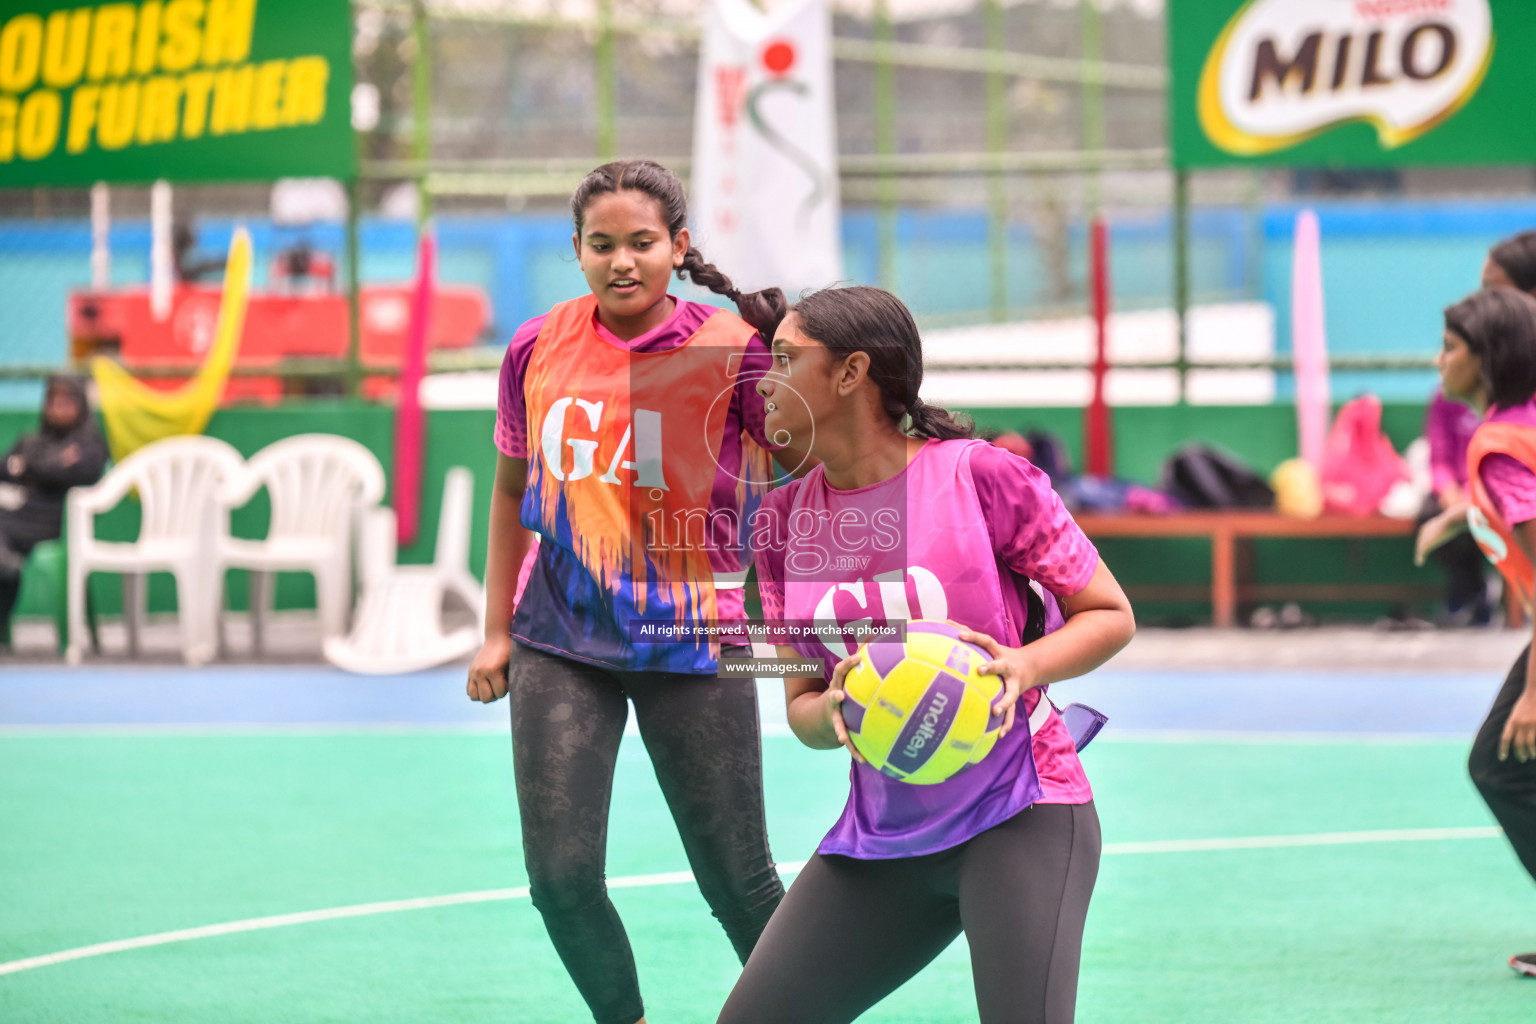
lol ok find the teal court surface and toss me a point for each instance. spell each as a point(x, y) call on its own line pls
point(291, 844)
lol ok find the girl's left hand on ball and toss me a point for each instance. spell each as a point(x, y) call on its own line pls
point(834, 698)
point(1010, 663)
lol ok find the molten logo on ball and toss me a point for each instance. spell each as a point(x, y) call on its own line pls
point(920, 711)
point(926, 726)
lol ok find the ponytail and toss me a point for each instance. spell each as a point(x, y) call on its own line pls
point(930, 421)
point(763, 310)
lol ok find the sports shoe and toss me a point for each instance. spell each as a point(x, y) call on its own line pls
point(1525, 964)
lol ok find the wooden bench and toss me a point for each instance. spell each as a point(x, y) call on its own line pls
point(1232, 533)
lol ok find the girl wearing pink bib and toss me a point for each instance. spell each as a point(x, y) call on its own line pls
point(1488, 361)
point(895, 526)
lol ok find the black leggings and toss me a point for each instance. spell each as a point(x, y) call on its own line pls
point(702, 734)
point(1508, 787)
point(851, 931)
point(18, 537)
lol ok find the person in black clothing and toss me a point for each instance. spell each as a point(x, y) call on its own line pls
point(66, 452)
point(189, 266)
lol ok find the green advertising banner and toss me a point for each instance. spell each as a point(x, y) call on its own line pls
point(187, 90)
point(1352, 83)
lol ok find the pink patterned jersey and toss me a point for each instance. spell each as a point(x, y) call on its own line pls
point(963, 533)
point(1449, 426)
point(1510, 483)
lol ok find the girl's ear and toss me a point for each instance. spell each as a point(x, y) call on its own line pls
point(576, 244)
point(681, 243)
point(854, 372)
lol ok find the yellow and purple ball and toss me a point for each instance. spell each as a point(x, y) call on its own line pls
point(921, 711)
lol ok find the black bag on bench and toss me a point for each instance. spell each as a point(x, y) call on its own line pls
point(1201, 476)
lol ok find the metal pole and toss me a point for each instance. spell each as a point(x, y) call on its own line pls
point(997, 185)
point(1253, 262)
point(1093, 94)
point(606, 144)
point(354, 375)
point(885, 145)
point(1098, 439)
point(1181, 273)
point(162, 263)
point(421, 107)
point(101, 237)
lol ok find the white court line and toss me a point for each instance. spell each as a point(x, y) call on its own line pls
point(1260, 737)
point(180, 730)
point(1397, 835)
point(153, 730)
point(678, 877)
point(256, 924)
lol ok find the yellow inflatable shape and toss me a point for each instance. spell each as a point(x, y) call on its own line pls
point(137, 414)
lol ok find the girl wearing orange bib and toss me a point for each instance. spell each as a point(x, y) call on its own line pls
point(632, 443)
point(1488, 360)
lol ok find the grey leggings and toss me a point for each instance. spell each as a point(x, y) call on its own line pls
point(849, 932)
point(702, 734)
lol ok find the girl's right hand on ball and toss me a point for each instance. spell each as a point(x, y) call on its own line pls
point(488, 672)
point(834, 700)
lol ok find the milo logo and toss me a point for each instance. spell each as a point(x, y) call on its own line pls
point(1284, 71)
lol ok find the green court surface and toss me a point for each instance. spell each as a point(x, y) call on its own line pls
point(111, 837)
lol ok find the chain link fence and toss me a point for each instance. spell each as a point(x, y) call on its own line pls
point(1006, 126)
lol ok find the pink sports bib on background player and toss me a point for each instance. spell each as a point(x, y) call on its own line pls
point(1508, 434)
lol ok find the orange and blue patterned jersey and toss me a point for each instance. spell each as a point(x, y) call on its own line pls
point(625, 449)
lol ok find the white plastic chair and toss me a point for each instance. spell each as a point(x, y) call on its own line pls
point(399, 623)
point(318, 485)
point(177, 481)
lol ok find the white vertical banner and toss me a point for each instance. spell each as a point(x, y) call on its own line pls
point(764, 196)
point(162, 258)
point(101, 237)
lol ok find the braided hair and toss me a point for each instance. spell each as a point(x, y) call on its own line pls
point(873, 321)
point(763, 309)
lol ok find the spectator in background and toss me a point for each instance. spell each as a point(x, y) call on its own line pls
point(1015, 443)
point(1448, 426)
point(190, 266)
point(66, 451)
point(1512, 264)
